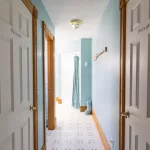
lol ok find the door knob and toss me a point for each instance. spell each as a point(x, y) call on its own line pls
point(125, 114)
point(32, 108)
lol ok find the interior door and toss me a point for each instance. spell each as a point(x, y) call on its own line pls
point(16, 77)
point(46, 78)
point(137, 126)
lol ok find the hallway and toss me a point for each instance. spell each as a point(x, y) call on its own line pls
point(75, 131)
point(88, 54)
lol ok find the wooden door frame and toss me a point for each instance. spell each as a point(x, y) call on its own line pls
point(34, 13)
point(123, 4)
point(51, 102)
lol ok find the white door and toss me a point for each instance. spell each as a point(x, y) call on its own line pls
point(46, 76)
point(16, 89)
point(137, 128)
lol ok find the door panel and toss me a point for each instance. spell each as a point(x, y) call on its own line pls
point(137, 128)
point(134, 74)
point(6, 88)
point(24, 74)
point(9, 144)
point(16, 76)
point(148, 82)
point(134, 138)
point(6, 11)
point(25, 135)
point(136, 16)
point(23, 25)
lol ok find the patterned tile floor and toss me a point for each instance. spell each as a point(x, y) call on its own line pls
point(75, 131)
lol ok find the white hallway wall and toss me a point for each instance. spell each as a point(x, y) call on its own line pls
point(66, 48)
point(67, 72)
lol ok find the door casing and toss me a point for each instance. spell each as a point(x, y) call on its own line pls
point(34, 13)
point(123, 4)
point(51, 102)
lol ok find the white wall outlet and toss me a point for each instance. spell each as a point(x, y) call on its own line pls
point(111, 143)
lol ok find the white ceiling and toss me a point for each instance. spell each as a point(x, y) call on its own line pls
point(62, 11)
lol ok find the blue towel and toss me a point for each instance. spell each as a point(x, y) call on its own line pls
point(75, 93)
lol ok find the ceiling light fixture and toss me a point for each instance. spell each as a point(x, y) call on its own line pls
point(76, 23)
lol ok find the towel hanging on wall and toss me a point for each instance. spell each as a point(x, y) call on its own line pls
point(75, 92)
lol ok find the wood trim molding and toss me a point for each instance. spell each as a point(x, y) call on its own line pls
point(47, 31)
point(29, 5)
point(31, 8)
point(44, 102)
point(43, 147)
point(124, 3)
point(35, 84)
point(34, 12)
point(83, 108)
point(51, 85)
point(122, 74)
point(51, 100)
point(100, 131)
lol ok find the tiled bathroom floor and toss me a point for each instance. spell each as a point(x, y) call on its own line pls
point(75, 131)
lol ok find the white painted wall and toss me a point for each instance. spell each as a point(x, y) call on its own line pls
point(67, 72)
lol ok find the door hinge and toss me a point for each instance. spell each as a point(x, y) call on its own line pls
point(124, 4)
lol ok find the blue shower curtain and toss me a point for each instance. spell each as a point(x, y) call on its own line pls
point(75, 93)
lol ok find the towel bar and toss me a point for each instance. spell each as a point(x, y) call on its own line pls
point(97, 55)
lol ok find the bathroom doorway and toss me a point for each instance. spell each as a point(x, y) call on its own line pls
point(48, 80)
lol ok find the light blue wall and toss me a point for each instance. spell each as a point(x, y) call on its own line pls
point(85, 71)
point(42, 16)
point(105, 72)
